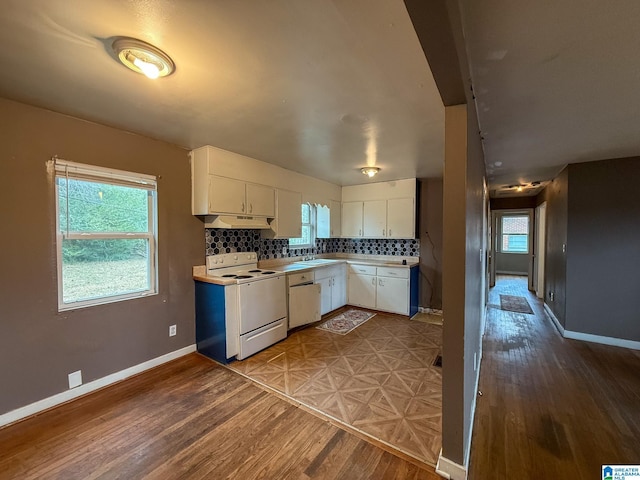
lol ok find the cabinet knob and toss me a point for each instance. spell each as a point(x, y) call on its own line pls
point(242, 208)
point(360, 233)
point(373, 281)
point(389, 232)
point(251, 208)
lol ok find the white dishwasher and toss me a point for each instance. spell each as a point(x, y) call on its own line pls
point(304, 299)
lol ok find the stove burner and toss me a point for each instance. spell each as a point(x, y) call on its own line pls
point(229, 275)
point(255, 271)
point(267, 273)
point(244, 276)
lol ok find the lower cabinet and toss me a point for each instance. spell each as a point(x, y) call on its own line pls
point(380, 288)
point(332, 282)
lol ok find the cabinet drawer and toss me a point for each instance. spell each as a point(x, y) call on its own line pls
point(393, 272)
point(362, 270)
point(299, 278)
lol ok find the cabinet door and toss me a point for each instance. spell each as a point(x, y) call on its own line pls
point(401, 218)
point(375, 219)
point(288, 218)
point(335, 219)
point(362, 290)
point(339, 287)
point(393, 295)
point(352, 219)
point(325, 295)
point(323, 221)
point(226, 195)
point(260, 200)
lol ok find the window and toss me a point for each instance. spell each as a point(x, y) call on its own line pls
point(308, 230)
point(106, 235)
point(515, 234)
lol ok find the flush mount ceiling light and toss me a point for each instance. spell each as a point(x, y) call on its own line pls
point(370, 171)
point(142, 57)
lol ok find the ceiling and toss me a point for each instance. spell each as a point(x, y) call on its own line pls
point(556, 82)
point(320, 87)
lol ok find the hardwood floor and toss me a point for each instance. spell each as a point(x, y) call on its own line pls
point(190, 419)
point(551, 407)
point(379, 379)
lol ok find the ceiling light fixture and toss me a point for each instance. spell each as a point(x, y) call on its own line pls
point(370, 171)
point(142, 57)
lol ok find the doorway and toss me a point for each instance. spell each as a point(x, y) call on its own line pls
point(540, 244)
point(512, 245)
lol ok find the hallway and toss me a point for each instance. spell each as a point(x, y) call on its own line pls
point(551, 407)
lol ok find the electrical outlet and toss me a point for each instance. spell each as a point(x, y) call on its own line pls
point(172, 330)
point(284, 250)
point(552, 296)
point(75, 379)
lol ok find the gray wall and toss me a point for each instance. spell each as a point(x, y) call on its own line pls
point(439, 29)
point(430, 234)
point(40, 346)
point(556, 195)
point(603, 249)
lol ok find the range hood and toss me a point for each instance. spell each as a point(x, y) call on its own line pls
point(231, 221)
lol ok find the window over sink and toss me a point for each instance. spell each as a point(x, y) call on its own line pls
point(308, 238)
point(106, 235)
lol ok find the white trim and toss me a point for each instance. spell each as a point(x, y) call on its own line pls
point(615, 342)
point(450, 470)
point(504, 272)
point(67, 395)
point(554, 319)
point(589, 337)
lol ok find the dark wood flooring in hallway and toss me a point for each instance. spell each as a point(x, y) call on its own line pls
point(551, 407)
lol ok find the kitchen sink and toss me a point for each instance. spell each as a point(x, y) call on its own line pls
point(318, 261)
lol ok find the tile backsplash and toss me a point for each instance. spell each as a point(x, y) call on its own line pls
point(219, 240)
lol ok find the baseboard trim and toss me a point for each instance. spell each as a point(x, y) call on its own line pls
point(63, 397)
point(450, 470)
point(504, 272)
point(554, 319)
point(589, 337)
point(614, 342)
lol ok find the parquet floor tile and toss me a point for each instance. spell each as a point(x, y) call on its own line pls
point(378, 379)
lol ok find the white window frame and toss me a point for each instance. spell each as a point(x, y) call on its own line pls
point(502, 235)
point(71, 170)
point(312, 229)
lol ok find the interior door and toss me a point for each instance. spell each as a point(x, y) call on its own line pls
point(493, 227)
point(541, 230)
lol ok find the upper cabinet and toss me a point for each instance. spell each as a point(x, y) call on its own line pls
point(288, 221)
point(379, 210)
point(328, 220)
point(226, 183)
point(230, 196)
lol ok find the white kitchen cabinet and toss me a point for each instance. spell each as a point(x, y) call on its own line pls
point(332, 281)
point(230, 196)
point(260, 200)
point(288, 221)
point(328, 220)
point(335, 220)
point(392, 295)
point(375, 219)
point(226, 195)
point(352, 219)
point(401, 218)
point(362, 290)
point(381, 288)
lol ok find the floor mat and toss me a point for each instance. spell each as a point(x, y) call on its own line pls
point(346, 322)
point(514, 303)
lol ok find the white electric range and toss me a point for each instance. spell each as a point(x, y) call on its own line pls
point(255, 303)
